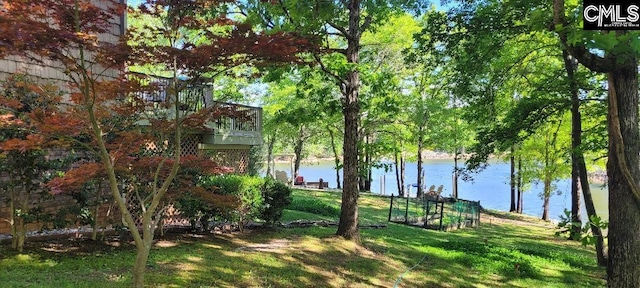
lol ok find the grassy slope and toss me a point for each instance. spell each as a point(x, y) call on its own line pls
point(505, 253)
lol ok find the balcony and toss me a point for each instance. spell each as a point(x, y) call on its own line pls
point(244, 129)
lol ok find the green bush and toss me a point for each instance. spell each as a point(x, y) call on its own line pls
point(191, 207)
point(247, 188)
point(224, 184)
point(259, 198)
point(314, 206)
point(276, 196)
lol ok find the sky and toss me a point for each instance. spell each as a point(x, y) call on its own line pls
point(134, 2)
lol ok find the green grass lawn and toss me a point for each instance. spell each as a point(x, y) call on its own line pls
point(503, 252)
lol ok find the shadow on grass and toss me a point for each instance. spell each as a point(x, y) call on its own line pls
point(507, 215)
point(502, 255)
point(494, 256)
point(575, 257)
point(509, 263)
point(303, 262)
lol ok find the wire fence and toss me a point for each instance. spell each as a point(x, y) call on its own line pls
point(435, 213)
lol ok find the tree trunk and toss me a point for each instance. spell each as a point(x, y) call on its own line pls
point(361, 162)
point(96, 211)
point(546, 190)
point(363, 168)
point(623, 269)
point(367, 183)
point(399, 163)
point(336, 158)
point(12, 211)
point(396, 164)
point(367, 164)
point(18, 201)
point(576, 217)
point(420, 191)
point(402, 174)
point(21, 234)
point(546, 198)
point(519, 191)
point(576, 134)
point(348, 224)
point(94, 224)
point(455, 175)
point(623, 261)
point(512, 182)
point(142, 256)
point(360, 176)
point(21, 223)
point(271, 141)
point(361, 159)
point(601, 250)
point(297, 150)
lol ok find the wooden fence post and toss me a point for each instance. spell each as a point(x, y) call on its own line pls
point(441, 213)
point(390, 207)
point(406, 212)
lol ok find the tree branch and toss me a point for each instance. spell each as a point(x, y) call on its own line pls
point(335, 50)
point(367, 22)
point(324, 68)
point(586, 58)
point(343, 32)
point(593, 99)
point(286, 13)
point(616, 132)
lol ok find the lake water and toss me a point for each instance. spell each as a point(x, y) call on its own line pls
point(490, 187)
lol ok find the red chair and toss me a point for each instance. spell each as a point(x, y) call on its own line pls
point(299, 181)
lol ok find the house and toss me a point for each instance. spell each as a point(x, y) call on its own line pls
point(48, 69)
point(228, 139)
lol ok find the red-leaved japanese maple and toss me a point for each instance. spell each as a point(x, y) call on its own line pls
point(23, 157)
point(138, 142)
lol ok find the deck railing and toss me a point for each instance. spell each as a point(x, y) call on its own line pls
point(249, 118)
point(194, 97)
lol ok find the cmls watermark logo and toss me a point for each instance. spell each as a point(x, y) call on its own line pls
point(611, 15)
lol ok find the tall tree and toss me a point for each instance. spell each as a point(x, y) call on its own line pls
point(341, 24)
point(385, 95)
point(337, 165)
point(428, 99)
point(526, 41)
point(579, 174)
point(620, 62)
point(428, 107)
point(24, 157)
point(287, 103)
point(382, 98)
point(545, 154)
point(349, 86)
point(570, 66)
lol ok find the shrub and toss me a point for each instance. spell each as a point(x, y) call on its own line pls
point(235, 198)
point(276, 196)
point(201, 205)
point(191, 207)
point(586, 236)
point(314, 206)
point(247, 188)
